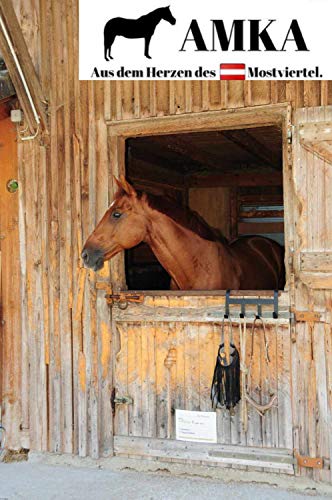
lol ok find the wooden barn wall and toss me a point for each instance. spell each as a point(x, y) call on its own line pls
point(65, 187)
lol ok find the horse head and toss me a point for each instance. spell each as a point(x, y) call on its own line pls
point(167, 15)
point(123, 226)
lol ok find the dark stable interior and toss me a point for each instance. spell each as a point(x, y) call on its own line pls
point(232, 178)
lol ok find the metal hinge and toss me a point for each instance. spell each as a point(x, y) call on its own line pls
point(311, 462)
point(290, 130)
point(120, 400)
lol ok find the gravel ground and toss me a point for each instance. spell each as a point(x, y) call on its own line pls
point(35, 481)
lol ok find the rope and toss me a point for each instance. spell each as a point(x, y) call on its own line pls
point(246, 374)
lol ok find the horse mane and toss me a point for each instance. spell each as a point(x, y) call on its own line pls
point(184, 216)
point(152, 12)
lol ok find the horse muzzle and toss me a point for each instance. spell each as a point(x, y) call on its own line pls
point(93, 258)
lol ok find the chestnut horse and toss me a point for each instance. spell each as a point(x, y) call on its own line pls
point(194, 255)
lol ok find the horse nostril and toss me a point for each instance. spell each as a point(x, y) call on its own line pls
point(85, 255)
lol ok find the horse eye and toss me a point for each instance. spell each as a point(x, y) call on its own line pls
point(116, 215)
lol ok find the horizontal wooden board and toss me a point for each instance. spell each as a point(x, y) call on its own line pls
point(319, 281)
point(280, 459)
point(201, 309)
point(316, 262)
point(210, 120)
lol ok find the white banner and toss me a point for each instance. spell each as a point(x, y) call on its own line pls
point(149, 40)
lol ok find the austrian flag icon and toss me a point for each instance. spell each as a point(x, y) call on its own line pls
point(232, 71)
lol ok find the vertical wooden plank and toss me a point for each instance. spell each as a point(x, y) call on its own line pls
point(322, 417)
point(285, 417)
point(179, 97)
point(260, 92)
point(23, 295)
point(10, 306)
point(214, 87)
point(162, 97)
point(196, 95)
point(188, 96)
point(82, 406)
point(223, 417)
point(148, 380)
point(254, 436)
point(235, 94)
point(93, 368)
point(191, 360)
point(103, 316)
point(145, 379)
point(127, 100)
point(180, 366)
point(135, 379)
point(328, 354)
point(312, 93)
point(207, 360)
point(144, 98)
point(161, 347)
point(121, 361)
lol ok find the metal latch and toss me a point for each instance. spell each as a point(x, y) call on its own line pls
point(122, 299)
point(311, 462)
point(120, 400)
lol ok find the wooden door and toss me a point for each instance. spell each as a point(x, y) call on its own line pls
point(10, 295)
point(312, 360)
point(165, 357)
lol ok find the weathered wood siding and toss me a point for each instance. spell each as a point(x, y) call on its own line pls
point(312, 359)
point(66, 185)
point(166, 361)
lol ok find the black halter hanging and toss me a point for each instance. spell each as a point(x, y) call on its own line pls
point(225, 388)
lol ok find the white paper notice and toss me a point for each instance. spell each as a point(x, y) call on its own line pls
point(199, 426)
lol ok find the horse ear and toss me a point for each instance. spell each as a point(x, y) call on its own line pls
point(128, 188)
point(118, 182)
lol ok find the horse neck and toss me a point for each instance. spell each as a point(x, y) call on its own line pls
point(154, 16)
point(180, 251)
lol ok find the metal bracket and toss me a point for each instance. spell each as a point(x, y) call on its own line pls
point(256, 301)
point(307, 316)
point(311, 462)
point(120, 400)
point(122, 299)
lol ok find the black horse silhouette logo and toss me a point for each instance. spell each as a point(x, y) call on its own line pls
point(143, 27)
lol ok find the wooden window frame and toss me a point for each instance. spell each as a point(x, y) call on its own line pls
point(251, 117)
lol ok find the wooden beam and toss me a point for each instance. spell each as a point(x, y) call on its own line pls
point(253, 213)
point(160, 159)
point(14, 31)
point(187, 148)
point(250, 117)
point(144, 171)
point(235, 179)
point(251, 145)
point(260, 227)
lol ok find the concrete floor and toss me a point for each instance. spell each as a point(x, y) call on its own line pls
point(40, 481)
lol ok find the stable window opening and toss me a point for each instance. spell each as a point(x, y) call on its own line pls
point(233, 179)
